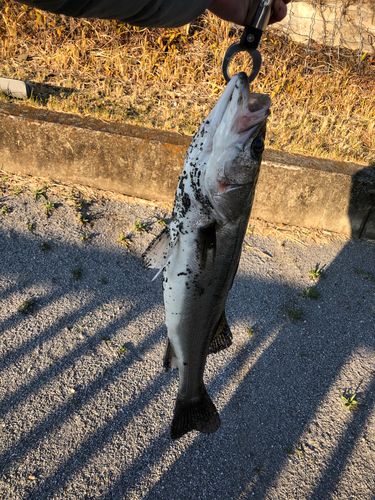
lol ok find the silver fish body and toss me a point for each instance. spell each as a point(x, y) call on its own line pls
point(200, 250)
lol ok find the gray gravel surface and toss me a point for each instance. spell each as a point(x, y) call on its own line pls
point(85, 405)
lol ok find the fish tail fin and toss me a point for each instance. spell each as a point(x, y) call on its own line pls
point(195, 414)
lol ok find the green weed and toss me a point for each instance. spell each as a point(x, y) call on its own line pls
point(122, 349)
point(82, 220)
point(294, 314)
point(30, 226)
point(311, 293)
point(367, 275)
point(39, 193)
point(139, 227)
point(44, 246)
point(28, 306)
point(85, 237)
point(349, 401)
point(48, 207)
point(17, 190)
point(300, 450)
point(316, 273)
point(5, 210)
point(123, 240)
point(77, 274)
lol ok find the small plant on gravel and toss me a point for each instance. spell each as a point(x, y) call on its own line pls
point(5, 210)
point(17, 190)
point(81, 204)
point(139, 227)
point(288, 451)
point(300, 450)
point(294, 314)
point(123, 240)
point(40, 193)
point(82, 220)
point(349, 401)
point(28, 306)
point(259, 469)
point(316, 273)
point(161, 222)
point(250, 331)
point(103, 281)
point(30, 226)
point(48, 207)
point(250, 230)
point(311, 293)
point(85, 237)
point(77, 274)
point(122, 349)
point(44, 246)
point(367, 275)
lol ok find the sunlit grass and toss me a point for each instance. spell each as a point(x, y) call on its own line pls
point(170, 79)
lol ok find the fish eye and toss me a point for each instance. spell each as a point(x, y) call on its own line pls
point(258, 144)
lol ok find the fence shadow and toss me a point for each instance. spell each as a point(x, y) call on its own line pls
point(86, 407)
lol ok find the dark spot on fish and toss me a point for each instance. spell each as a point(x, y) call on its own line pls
point(185, 364)
point(181, 274)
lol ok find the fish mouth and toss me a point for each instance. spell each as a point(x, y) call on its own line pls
point(242, 110)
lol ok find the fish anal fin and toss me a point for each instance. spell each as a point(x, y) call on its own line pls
point(198, 414)
point(169, 360)
point(222, 337)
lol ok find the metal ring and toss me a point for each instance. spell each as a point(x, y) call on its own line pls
point(234, 49)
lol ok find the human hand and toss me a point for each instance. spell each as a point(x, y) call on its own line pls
point(243, 11)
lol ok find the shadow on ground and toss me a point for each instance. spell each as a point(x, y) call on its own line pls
point(86, 407)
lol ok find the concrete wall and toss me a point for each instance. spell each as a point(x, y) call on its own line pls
point(146, 163)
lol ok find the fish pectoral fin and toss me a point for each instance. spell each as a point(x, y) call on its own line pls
point(222, 337)
point(157, 253)
point(170, 359)
point(198, 414)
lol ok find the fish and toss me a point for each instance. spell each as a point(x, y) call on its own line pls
point(199, 251)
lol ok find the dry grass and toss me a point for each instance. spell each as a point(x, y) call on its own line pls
point(171, 79)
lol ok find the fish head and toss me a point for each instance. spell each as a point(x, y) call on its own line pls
point(237, 143)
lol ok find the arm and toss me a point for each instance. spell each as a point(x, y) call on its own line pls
point(243, 11)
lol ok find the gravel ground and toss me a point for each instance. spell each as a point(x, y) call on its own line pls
point(85, 405)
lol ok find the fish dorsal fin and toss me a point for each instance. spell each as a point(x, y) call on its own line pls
point(170, 359)
point(222, 337)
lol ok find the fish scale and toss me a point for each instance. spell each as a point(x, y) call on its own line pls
point(199, 251)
